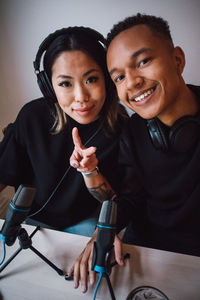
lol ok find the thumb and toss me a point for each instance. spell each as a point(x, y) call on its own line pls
point(118, 251)
point(87, 152)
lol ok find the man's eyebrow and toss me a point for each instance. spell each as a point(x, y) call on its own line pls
point(140, 51)
point(134, 55)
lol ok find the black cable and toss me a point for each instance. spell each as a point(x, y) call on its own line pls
point(61, 180)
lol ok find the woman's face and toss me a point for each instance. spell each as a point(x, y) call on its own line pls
point(79, 84)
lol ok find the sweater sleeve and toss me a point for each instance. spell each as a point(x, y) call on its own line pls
point(14, 163)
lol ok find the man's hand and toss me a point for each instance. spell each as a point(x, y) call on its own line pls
point(82, 267)
point(82, 158)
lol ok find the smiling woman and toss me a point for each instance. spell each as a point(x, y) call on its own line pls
point(79, 85)
point(36, 148)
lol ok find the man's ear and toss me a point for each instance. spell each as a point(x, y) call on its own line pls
point(179, 57)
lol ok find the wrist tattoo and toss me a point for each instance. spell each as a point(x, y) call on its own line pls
point(101, 192)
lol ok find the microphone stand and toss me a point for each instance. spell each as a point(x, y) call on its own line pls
point(105, 272)
point(25, 242)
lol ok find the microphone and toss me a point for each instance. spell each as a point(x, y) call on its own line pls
point(17, 212)
point(105, 237)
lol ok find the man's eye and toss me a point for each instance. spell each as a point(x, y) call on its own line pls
point(119, 78)
point(144, 61)
point(92, 79)
point(64, 84)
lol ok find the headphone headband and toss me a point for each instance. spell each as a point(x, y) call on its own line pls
point(52, 36)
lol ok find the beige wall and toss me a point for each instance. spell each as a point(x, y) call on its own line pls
point(25, 23)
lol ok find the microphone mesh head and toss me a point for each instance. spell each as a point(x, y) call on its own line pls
point(24, 196)
point(108, 213)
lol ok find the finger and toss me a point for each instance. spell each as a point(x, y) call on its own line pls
point(85, 264)
point(87, 152)
point(118, 246)
point(76, 274)
point(77, 155)
point(76, 138)
point(84, 275)
point(75, 159)
point(71, 271)
point(92, 274)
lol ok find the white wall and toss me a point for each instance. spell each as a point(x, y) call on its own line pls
point(25, 23)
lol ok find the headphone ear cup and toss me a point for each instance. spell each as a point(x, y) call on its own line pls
point(46, 86)
point(157, 134)
point(184, 134)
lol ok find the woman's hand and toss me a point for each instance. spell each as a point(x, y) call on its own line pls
point(83, 159)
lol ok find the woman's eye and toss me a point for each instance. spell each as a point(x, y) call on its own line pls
point(64, 84)
point(92, 79)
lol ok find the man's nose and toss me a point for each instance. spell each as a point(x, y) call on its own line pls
point(134, 80)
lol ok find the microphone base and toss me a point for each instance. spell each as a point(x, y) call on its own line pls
point(25, 243)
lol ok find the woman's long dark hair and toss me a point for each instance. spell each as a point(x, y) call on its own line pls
point(91, 43)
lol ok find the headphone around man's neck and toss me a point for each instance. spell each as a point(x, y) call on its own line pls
point(181, 137)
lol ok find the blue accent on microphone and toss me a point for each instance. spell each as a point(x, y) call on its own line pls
point(4, 248)
point(3, 237)
point(97, 285)
point(99, 269)
point(107, 227)
point(18, 209)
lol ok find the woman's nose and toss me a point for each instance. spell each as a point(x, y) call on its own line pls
point(81, 93)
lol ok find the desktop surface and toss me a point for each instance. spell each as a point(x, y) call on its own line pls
point(28, 277)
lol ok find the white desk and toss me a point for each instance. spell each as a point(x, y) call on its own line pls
point(28, 277)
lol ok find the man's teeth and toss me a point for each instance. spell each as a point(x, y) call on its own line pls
point(141, 97)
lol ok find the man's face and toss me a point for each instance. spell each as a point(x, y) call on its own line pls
point(146, 71)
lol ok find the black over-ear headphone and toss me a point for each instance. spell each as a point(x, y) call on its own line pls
point(181, 137)
point(43, 81)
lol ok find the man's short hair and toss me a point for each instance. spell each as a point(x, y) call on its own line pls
point(158, 26)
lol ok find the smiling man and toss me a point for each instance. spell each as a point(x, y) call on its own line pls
point(148, 75)
point(160, 148)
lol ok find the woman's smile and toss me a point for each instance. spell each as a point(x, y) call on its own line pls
point(83, 111)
